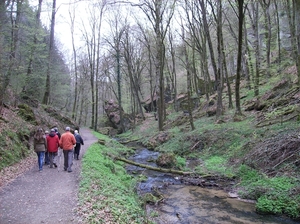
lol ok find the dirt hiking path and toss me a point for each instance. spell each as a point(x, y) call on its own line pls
point(48, 197)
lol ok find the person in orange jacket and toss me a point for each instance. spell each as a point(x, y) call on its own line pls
point(67, 142)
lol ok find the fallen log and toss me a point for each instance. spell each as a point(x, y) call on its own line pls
point(153, 168)
point(129, 141)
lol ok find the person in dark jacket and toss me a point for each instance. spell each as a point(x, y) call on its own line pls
point(56, 131)
point(40, 146)
point(52, 146)
point(79, 142)
point(60, 151)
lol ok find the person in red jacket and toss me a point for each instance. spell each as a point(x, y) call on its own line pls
point(67, 142)
point(52, 147)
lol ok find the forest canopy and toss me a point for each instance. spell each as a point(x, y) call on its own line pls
point(133, 51)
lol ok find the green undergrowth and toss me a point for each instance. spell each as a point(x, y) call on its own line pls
point(106, 191)
point(13, 147)
point(275, 195)
point(231, 142)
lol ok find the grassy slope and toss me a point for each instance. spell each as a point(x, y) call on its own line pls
point(107, 193)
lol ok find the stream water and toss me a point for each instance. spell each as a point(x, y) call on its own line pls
point(185, 204)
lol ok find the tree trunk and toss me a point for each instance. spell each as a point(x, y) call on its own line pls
point(173, 71)
point(246, 57)
point(219, 79)
point(46, 99)
point(267, 24)
point(239, 57)
point(278, 36)
point(188, 78)
point(253, 15)
point(297, 9)
point(209, 86)
point(72, 27)
point(3, 20)
point(159, 79)
point(33, 47)
point(209, 41)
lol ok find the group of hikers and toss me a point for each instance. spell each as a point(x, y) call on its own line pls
point(49, 147)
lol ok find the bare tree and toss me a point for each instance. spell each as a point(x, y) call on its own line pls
point(172, 69)
point(158, 15)
point(92, 44)
point(199, 42)
point(133, 59)
point(146, 40)
point(253, 12)
point(204, 7)
point(188, 78)
point(118, 29)
point(72, 28)
point(221, 59)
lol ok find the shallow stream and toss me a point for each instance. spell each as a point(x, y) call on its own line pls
point(186, 204)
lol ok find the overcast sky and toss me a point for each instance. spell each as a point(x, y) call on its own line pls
point(62, 19)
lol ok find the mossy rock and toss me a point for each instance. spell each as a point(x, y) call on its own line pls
point(105, 130)
point(166, 160)
point(150, 198)
point(26, 113)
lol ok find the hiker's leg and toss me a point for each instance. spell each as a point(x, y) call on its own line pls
point(47, 158)
point(51, 159)
point(76, 151)
point(42, 158)
point(70, 160)
point(59, 155)
point(66, 154)
point(55, 159)
point(39, 159)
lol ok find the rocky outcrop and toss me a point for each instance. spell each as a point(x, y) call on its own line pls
point(113, 111)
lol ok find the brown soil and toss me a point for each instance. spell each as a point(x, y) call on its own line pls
point(47, 197)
